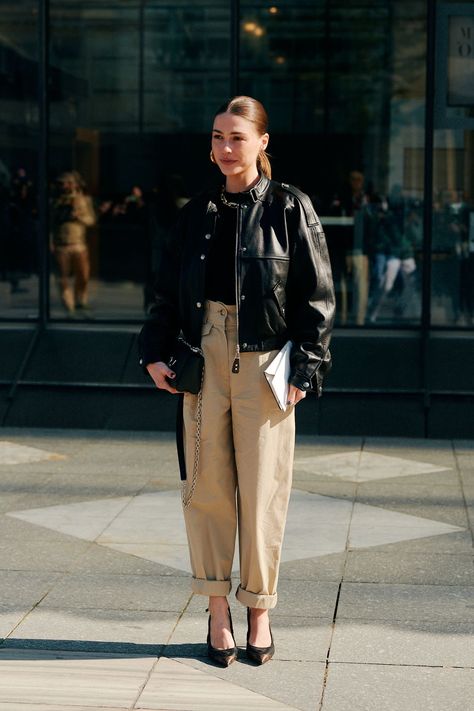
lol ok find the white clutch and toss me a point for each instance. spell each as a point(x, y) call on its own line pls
point(277, 374)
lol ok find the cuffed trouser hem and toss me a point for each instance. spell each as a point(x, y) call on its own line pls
point(211, 587)
point(250, 599)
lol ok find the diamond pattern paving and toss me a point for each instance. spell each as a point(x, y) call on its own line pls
point(11, 453)
point(364, 466)
point(151, 526)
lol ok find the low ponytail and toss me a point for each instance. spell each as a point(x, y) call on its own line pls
point(263, 164)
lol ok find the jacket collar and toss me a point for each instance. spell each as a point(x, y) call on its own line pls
point(256, 193)
point(253, 195)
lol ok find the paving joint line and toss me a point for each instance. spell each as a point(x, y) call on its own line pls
point(182, 661)
point(61, 578)
point(2, 643)
point(160, 655)
point(402, 664)
point(333, 627)
point(388, 622)
point(339, 590)
point(130, 498)
point(234, 682)
point(444, 584)
point(109, 609)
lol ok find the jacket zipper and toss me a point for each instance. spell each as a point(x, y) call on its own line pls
point(236, 363)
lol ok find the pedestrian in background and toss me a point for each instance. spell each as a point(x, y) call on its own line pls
point(72, 213)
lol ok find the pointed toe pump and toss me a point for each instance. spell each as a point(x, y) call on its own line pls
point(223, 657)
point(259, 655)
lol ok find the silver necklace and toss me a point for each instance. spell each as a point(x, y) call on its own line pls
point(226, 202)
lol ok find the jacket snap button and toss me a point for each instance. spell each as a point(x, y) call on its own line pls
point(244, 345)
point(243, 297)
point(198, 304)
point(208, 236)
point(203, 256)
point(306, 384)
point(244, 249)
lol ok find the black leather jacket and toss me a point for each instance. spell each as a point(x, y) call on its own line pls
point(284, 285)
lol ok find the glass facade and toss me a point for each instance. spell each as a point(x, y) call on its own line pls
point(131, 93)
point(453, 169)
point(126, 133)
point(344, 84)
point(19, 133)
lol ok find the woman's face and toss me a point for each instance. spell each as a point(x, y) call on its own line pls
point(236, 144)
point(68, 185)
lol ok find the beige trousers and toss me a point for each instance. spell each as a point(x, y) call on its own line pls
point(245, 468)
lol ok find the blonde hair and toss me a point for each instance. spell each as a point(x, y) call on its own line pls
point(75, 177)
point(253, 111)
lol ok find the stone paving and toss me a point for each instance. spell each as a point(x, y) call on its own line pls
point(376, 603)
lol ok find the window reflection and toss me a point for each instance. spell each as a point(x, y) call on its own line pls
point(18, 151)
point(452, 269)
point(132, 90)
point(375, 241)
point(136, 87)
point(72, 213)
point(453, 259)
point(19, 245)
point(167, 200)
point(344, 88)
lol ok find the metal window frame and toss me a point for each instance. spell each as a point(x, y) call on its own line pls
point(428, 206)
point(43, 163)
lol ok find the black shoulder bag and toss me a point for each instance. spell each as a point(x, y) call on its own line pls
point(187, 362)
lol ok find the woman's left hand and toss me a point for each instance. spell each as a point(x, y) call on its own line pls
point(295, 395)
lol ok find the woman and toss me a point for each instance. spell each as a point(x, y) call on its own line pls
point(72, 215)
point(246, 271)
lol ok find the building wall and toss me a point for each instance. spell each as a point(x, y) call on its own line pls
point(371, 114)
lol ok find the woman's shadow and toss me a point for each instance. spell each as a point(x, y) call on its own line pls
point(35, 649)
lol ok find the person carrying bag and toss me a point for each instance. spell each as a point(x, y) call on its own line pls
point(246, 271)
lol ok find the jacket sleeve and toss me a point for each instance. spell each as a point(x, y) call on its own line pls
point(310, 299)
point(162, 325)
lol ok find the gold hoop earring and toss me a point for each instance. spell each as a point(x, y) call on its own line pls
point(211, 156)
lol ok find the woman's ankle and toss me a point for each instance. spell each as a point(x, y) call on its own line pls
point(258, 632)
point(257, 613)
point(218, 603)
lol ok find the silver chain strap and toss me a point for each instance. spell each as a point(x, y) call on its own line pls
point(186, 500)
point(196, 349)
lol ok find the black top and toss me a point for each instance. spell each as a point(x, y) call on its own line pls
point(220, 262)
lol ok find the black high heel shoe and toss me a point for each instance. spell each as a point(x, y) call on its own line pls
point(223, 657)
point(259, 655)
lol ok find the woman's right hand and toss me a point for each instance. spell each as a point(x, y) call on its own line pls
point(159, 372)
